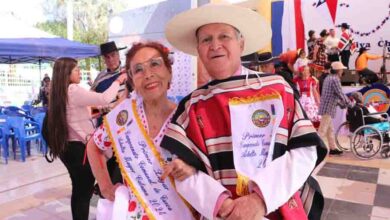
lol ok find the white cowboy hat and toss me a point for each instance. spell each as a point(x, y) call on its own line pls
point(180, 30)
point(338, 66)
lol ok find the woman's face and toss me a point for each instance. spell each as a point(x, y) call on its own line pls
point(150, 76)
point(75, 75)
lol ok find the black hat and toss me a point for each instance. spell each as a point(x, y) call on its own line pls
point(250, 58)
point(266, 57)
point(345, 25)
point(109, 47)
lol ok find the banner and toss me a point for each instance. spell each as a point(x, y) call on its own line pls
point(141, 164)
point(369, 23)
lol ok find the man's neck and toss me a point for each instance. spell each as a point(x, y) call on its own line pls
point(110, 70)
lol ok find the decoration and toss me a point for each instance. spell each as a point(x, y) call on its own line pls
point(368, 33)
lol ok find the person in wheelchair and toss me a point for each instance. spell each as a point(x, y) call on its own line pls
point(356, 115)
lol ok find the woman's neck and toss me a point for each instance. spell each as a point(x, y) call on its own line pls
point(158, 107)
point(305, 77)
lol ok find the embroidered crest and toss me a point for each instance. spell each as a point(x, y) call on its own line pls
point(122, 117)
point(261, 118)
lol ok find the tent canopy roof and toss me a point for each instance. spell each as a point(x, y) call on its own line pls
point(21, 43)
point(37, 50)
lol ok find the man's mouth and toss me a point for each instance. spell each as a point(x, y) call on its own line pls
point(217, 56)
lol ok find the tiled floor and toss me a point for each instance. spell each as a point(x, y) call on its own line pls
point(354, 189)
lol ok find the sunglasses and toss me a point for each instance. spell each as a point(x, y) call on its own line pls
point(154, 63)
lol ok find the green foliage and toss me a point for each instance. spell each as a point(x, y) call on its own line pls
point(90, 19)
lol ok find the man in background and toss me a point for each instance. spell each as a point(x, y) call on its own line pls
point(103, 81)
point(332, 95)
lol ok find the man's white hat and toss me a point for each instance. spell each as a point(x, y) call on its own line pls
point(181, 29)
point(338, 66)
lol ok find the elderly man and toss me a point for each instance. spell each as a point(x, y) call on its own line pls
point(102, 82)
point(105, 78)
point(244, 128)
point(331, 96)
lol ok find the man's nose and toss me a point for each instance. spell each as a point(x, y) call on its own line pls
point(215, 44)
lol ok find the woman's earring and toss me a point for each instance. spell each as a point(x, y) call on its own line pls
point(169, 84)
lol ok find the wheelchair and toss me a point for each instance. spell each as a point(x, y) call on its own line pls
point(368, 134)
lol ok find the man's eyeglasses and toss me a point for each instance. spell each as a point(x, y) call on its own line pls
point(153, 64)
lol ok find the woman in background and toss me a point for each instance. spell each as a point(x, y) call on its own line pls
point(309, 95)
point(69, 125)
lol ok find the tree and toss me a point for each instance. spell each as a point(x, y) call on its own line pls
point(90, 19)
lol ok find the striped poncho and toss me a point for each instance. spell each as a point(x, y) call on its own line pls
point(200, 134)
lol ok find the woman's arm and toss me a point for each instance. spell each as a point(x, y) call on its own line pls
point(82, 97)
point(316, 94)
point(97, 161)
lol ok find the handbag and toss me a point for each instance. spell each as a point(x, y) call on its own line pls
point(293, 209)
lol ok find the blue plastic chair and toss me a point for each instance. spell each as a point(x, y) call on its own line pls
point(7, 133)
point(27, 108)
point(22, 134)
point(3, 143)
point(39, 117)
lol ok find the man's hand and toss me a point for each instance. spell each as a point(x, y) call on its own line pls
point(250, 207)
point(178, 170)
point(108, 191)
point(226, 208)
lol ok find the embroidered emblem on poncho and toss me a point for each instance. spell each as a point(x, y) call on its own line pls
point(261, 118)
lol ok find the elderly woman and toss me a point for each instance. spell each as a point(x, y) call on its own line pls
point(151, 73)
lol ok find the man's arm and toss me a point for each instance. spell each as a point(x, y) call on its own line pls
point(339, 91)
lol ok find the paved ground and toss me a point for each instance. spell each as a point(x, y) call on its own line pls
point(354, 189)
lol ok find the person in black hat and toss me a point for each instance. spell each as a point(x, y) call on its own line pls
point(267, 65)
point(361, 66)
point(110, 54)
point(103, 81)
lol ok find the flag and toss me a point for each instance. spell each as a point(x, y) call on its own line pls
point(318, 15)
point(292, 25)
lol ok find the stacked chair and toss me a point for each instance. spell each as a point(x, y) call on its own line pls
point(22, 127)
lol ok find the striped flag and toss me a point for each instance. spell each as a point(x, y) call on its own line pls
point(292, 26)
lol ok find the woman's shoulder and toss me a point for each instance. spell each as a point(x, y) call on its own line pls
point(74, 87)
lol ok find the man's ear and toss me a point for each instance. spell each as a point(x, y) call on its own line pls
point(242, 44)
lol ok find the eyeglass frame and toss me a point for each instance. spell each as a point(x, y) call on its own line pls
point(160, 58)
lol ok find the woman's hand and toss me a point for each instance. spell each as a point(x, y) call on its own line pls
point(178, 170)
point(108, 191)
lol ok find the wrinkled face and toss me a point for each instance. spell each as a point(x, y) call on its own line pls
point(75, 75)
point(220, 48)
point(149, 74)
point(112, 60)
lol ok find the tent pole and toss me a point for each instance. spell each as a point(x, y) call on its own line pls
point(40, 70)
point(100, 64)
